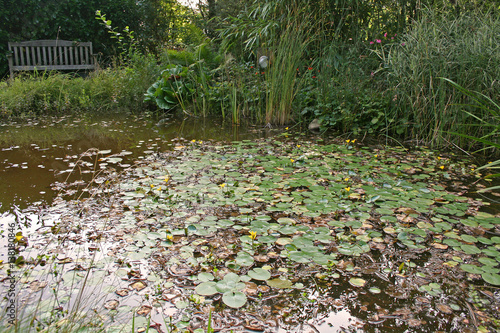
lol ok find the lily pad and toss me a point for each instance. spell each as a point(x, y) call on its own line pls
point(206, 288)
point(259, 274)
point(234, 299)
point(279, 283)
point(491, 278)
point(357, 282)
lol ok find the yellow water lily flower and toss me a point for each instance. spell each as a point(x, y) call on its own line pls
point(152, 185)
point(170, 238)
point(193, 141)
point(298, 146)
point(441, 167)
point(347, 189)
point(292, 160)
point(253, 235)
point(348, 140)
point(222, 185)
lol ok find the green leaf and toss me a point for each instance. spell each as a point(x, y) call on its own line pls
point(357, 282)
point(471, 268)
point(234, 299)
point(259, 274)
point(491, 278)
point(279, 283)
point(206, 288)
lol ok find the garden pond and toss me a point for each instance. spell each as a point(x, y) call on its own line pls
point(194, 225)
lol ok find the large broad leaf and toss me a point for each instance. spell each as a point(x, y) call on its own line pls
point(244, 259)
point(206, 288)
point(491, 278)
point(279, 283)
point(259, 274)
point(357, 282)
point(231, 282)
point(234, 299)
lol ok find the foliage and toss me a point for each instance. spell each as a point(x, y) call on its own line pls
point(156, 23)
point(127, 44)
point(246, 223)
point(101, 91)
point(172, 89)
point(464, 50)
point(490, 121)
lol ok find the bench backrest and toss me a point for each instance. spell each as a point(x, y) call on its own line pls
point(50, 55)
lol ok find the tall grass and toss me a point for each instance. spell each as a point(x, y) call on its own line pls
point(112, 89)
point(463, 49)
point(281, 77)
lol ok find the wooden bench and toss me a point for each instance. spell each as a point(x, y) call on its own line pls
point(46, 55)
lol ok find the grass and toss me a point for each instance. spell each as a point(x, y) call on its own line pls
point(390, 88)
point(102, 91)
point(281, 77)
point(464, 50)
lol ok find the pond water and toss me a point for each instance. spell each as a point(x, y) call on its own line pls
point(36, 154)
point(189, 195)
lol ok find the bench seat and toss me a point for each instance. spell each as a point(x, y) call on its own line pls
point(49, 55)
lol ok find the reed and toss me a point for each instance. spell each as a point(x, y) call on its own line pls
point(463, 49)
point(281, 76)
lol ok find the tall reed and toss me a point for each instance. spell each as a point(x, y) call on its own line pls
point(281, 76)
point(463, 49)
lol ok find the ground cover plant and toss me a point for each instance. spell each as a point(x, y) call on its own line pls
point(261, 235)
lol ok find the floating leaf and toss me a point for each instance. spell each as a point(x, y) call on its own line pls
point(491, 278)
point(279, 283)
point(234, 299)
point(206, 288)
point(471, 268)
point(259, 274)
point(357, 282)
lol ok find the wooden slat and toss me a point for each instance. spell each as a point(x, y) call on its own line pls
point(49, 51)
point(60, 55)
point(33, 55)
point(21, 52)
point(82, 59)
point(65, 52)
point(16, 55)
point(50, 55)
point(44, 56)
point(71, 50)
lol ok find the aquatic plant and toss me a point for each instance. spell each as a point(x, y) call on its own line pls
point(172, 89)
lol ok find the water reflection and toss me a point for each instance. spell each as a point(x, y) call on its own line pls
point(36, 154)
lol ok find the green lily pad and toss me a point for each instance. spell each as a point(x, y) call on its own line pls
point(259, 274)
point(357, 282)
point(491, 278)
point(279, 283)
point(206, 288)
point(230, 282)
point(471, 268)
point(244, 259)
point(234, 299)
